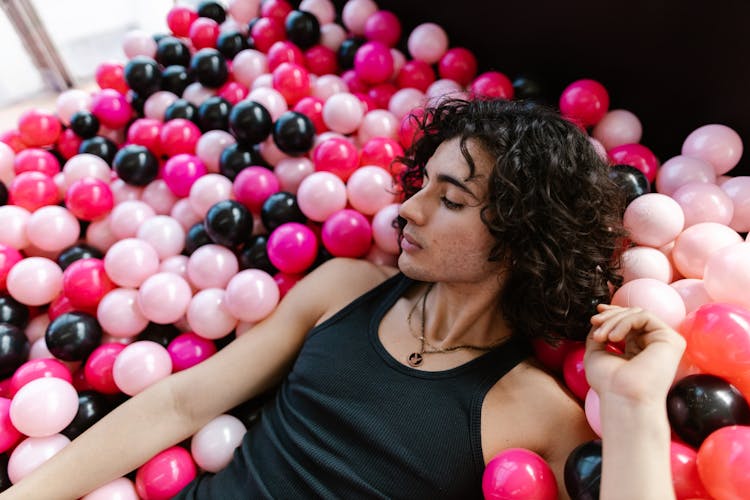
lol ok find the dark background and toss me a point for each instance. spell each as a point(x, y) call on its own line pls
point(676, 64)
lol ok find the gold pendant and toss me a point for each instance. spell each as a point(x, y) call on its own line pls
point(414, 359)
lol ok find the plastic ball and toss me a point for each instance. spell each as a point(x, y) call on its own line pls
point(696, 244)
point(292, 247)
point(637, 155)
point(180, 173)
point(76, 252)
point(164, 475)
point(727, 274)
point(630, 180)
point(231, 43)
point(585, 101)
point(280, 208)
point(71, 101)
point(383, 232)
point(189, 349)
point(645, 262)
point(518, 473)
point(140, 365)
point(681, 170)
point(89, 199)
point(213, 114)
point(337, 156)
point(179, 136)
point(33, 452)
point(302, 28)
point(654, 296)
point(67, 144)
point(119, 489)
point(248, 65)
point(183, 109)
point(73, 336)
point(458, 64)
point(179, 19)
point(145, 132)
point(290, 173)
point(209, 67)
point(321, 194)
point(266, 31)
point(203, 33)
point(343, 113)
point(347, 233)
point(92, 406)
point(14, 349)
point(738, 189)
point(37, 160)
point(243, 12)
point(618, 127)
point(13, 312)
point(43, 407)
point(33, 190)
point(369, 189)
point(574, 373)
point(723, 461)
point(250, 122)
point(654, 219)
point(583, 471)
point(254, 255)
point(9, 435)
point(38, 128)
point(717, 144)
point(211, 266)
point(685, 479)
point(208, 315)
point(98, 368)
point(100, 146)
point(35, 281)
point(251, 295)
point(703, 202)
point(85, 283)
point(130, 261)
point(212, 446)
point(172, 52)
point(228, 223)
point(293, 133)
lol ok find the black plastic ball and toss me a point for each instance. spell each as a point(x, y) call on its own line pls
point(236, 158)
point(631, 180)
point(196, 237)
point(302, 28)
point(137, 102)
point(322, 256)
point(231, 43)
point(182, 108)
point(175, 79)
point(170, 51)
point(142, 74)
point(209, 68)
point(213, 114)
point(347, 50)
point(73, 336)
point(250, 122)
point(14, 349)
point(212, 10)
point(279, 209)
point(228, 223)
point(99, 146)
point(293, 133)
point(77, 252)
point(583, 471)
point(136, 165)
point(84, 124)
point(527, 88)
point(4, 479)
point(161, 334)
point(13, 312)
point(3, 194)
point(254, 255)
point(699, 404)
point(92, 406)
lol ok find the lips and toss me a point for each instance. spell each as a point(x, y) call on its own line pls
point(411, 240)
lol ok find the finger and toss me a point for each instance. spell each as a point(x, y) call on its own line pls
point(603, 332)
point(606, 313)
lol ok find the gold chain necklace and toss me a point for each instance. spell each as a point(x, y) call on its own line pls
point(417, 357)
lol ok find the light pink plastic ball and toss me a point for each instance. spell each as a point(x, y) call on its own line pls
point(157, 103)
point(176, 264)
point(122, 191)
point(653, 219)
point(727, 275)
point(321, 194)
point(33, 452)
point(271, 152)
point(70, 102)
point(196, 93)
point(158, 196)
point(251, 295)
point(119, 489)
point(328, 85)
point(35, 281)
point(323, 10)
point(262, 82)
point(212, 266)
point(378, 123)
point(591, 408)
point(208, 315)
point(248, 65)
point(138, 43)
point(211, 145)
point(243, 11)
point(599, 148)
point(343, 113)
point(404, 101)
point(291, 172)
point(332, 35)
point(355, 14)
point(130, 261)
point(383, 232)
point(209, 190)
point(119, 315)
point(680, 170)
point(164, 297)
point(271, 99)
point(213, 446)
point(44, 406)
point(738, 190)
point(99, 234)
point(428, 42)
point(183, 213)
point(140, 365)
point(127, 217)
point(369, 189)
point(702, 202)
point(443, 87)
point(618, 127)
point(693, 293)
point(717, 144)
point(52, 228)
point(13, 220)
point(654, 296)
point(399, 59)
point(380, 257)
point(695, 245)
point(37, 327)
point(163, 234)
point(86, 165)
point(645, 262)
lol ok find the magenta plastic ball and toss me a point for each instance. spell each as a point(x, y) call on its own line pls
point(292, 247)
point(654, 296)
point(347, 233)
point(654, 219)
point(212, 447)
point(33, 452)
point(585, 101)
point(38, 368)
point(369, 189)
point(164, 475)
point(44, 407)
point(208, 315)
point(140, 365)
point(518, 473)
point(718, 144)
point(492, 84)
point(574, 373)
point(164, 297)
point(119, 315)
point(89, 199)
point(680, 170)
point(321, 194)
point(9, 435)
point(703, 202)
point(253, 186)
point(111, 108)
point(181, 171)
point(35, 281)
point(458, 64)
point(251, 295)
point(373, 62)
point(618, 127)
point(428, 42)
point(189, 349)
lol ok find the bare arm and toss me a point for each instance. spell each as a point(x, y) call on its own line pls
point(178, 406)
point(632, 390)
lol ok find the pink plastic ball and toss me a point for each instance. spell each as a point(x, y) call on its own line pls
point(119, 315)
point(164, 475)
point(37, 327)
point(209, 190)
point(189, 349)
point(243, 11)
point(7, 156)
point(99, 234)
point(727, 274)
point(323, 10)
point(585, 101)
point(347, 233)
point(292, 247)
point(211, 145)
point(52, 228)
point(70, 102)
point(111, 108)
point(404, 101)
point(343, 113)
point(122, 192)
point(428, 42)
point(9, 435)
point(253, 186)
point(271, 99)
point(164, 234)
point(212, 266)
point(355, 14)
point(196, 94)
point(157, 103)
point(140, 365)
point(369, 189)
point(373, 62)
point(13, 220)
point(33, 452)
point(645, 262)
point(35, 281)
point(85, 283)
point(119, 489)
point(458, 64)
point(332, 35)
point(44, 407)
point(178, 137)
point(130, 261)
point(36, 160)
point(492, 84)
point(696, 244)
point(383, 232)
point(32, 190)
point(208, 315)
point(251, 295)
point(693, 293)
point(158, 196)
point(638, 156)
point(654, 296)
point(326, 86)
point(618, 127)
point(127, 216)
point(517, 473)
point(653, 219)
point(248, 65)
point(321, 194)
point(738, 189)
point(89, 199)
point(138, 43)
point(336, 155)
point(378, 123)
point(383, 26)
point(681, 170)
point(38, 128)
point(183, 212)
point(717, 144)
point(291, 172)
point(212, 447)
point(591, 409)
point(99, 366)
point(703, 202)
point(181, 171)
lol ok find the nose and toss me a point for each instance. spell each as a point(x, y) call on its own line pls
point(412, 209)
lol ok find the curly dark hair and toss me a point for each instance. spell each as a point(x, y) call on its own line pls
point(554, 212)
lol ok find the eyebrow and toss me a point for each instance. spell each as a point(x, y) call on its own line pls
point(452, 180)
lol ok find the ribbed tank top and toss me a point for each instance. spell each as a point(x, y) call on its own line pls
point(350, 421)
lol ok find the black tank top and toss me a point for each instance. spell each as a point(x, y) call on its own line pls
point(350, 421)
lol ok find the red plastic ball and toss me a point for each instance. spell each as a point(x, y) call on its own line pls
point(292, 81)
point(724, 462)
point(99, 365)
point(492, 84)
point(36, 160)
point(368, 101)
point(337, 156)
point(233, 92)
point(553, 356)
point(179, 20)
point(38, 368)
point(32, 190)
point(13, 139)
point(111, 75)
point(381, 152)
point(68, 144)
point(574, 372)
point(39, 128)
point(585, 101)
point(89, 199)
point(312, 107)
point(347, 233)
point(9, 257)
point(267, 31)
point(79, 381)
point(353, 82)
point(59, 306)
point(286, 281)
point(409, 130)
point(381, 94)
point(321, 60)
point(685, 479)
point(179, 136)
point(415, 74)
point(203, 33)
point(146, 132)
point(518, 473)
point(373, 63)
point(189, 349)
point(284, 51)
point(384, 27)
point(164, 475)
point(458, 64)
point(638, 156)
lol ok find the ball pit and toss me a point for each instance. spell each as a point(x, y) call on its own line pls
point(278, 157)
